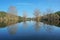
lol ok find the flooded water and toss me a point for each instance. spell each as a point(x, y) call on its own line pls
point(30, 30)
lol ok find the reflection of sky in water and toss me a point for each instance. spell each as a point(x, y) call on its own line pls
point(45, 31)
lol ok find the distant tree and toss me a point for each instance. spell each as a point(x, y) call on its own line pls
point(49, 12)
point(37, 14)
point(24, 16)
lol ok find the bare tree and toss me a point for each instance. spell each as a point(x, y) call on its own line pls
point(37, 14)
point(49, 13)
point(24, 16)
point(12, 10)
point(12, 15)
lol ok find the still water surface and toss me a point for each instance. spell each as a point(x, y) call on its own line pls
point(30, 30)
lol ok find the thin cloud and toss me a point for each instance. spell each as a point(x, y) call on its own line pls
point(25, 4)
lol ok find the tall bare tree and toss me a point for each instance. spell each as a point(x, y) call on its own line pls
point(48, 13)
point(12, 10)
point(12, 14)
point(37, 14)
point(24, 16)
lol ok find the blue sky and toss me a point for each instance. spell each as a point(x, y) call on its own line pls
point(30, 5)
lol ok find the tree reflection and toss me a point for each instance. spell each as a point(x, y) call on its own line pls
point(52, 23)
point(25, 24)
point(12, 29)
point(37, 26)
point(49, 28)
point(2, 25)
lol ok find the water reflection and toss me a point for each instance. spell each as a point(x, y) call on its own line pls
point(12, 26)
point(56, 23)
point(37, 26)
point(48, 25)
point(25, 24)
point(49, 28)
point(2, 25)
point(12, 29)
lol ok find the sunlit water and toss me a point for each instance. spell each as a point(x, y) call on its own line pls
point(30, 30)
